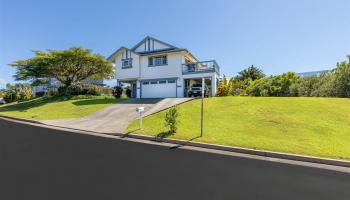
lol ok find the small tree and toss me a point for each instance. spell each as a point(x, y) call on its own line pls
point(171, 120)
point(251, 72)
point(225, 87)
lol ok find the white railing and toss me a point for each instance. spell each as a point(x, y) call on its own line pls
point(200, 67)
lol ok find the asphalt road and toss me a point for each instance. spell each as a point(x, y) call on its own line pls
point(39, 163)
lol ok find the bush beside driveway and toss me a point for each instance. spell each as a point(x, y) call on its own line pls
point(309, 126)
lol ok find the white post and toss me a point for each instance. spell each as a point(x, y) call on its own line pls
point(138, 89)
point(140, 120)
point(203, 90)
point(213, 86)
point(140, 110)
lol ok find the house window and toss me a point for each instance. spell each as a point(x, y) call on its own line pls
point(164, 60)
point(171, 81)
point(150, 61)
point(154, 82)
point(145, 83)
point(127, 63)
point(162, 82)
point(157, 61)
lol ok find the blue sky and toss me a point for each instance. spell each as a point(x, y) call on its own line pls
point(277, 36)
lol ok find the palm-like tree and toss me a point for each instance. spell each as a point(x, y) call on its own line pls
point(251, 72)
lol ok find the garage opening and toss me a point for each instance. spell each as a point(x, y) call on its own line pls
point(129, 86)
point(193, 87)
point(162, 88)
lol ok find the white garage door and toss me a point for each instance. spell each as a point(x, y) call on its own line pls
point(158, 89)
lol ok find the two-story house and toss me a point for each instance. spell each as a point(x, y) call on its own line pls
point(155, 69)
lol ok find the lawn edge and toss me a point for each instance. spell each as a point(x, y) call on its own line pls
point(21, 119)
point(263, 153)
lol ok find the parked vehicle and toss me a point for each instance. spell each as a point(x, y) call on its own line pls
point(196, 90)
point(2, 101)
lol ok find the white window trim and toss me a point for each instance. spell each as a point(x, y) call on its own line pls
point(161, 61)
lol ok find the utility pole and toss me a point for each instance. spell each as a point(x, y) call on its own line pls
point(202, 106)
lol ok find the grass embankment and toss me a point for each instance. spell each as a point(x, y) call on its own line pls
point(310, 126)
point(44, 108)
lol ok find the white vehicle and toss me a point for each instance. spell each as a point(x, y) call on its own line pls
point(2, 101)
point(196, 90)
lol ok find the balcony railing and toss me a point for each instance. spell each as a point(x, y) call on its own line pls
point(200, 67)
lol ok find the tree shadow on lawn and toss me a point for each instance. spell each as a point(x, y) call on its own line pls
point(162, 135)
point(166, 134)
point(23, 106)
point(94, 101)
point(127, 133)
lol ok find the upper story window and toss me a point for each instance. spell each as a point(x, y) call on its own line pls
point(127, 63)
point(157, 61)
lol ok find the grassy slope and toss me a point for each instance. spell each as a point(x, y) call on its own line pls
point(57, 107)
point(311, 126)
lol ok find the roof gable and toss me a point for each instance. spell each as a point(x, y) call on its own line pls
point(152, 44)
point(120, 50)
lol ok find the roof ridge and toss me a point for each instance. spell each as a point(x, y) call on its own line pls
point(149, 37)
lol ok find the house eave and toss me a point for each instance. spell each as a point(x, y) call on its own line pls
point(117, 51)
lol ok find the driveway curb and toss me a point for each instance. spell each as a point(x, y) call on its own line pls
point(271, 154)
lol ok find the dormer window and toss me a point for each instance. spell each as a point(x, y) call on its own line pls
point(126, 63)
point(157, 61)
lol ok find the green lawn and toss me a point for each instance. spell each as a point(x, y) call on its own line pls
point(310, 126)
point(57, 107)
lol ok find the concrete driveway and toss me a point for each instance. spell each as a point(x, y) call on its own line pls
point(115, 118)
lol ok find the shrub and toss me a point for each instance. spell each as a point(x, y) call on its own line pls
point(107, 90)
point(118, 91)
point(25, 95)
point(39, 94)
point(342, 80)
point(10, 96)
point(171, 119)
point(222, 90)
point(17, 92)
point(225, 87)
point(273, 86)
point(75, 89)
point(52, 93)
point(81, 89)
point(128, 92)
point(92, 89)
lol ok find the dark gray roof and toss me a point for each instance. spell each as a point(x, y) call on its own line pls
point(148, 37)
point(109, 57)
point(168, 50)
